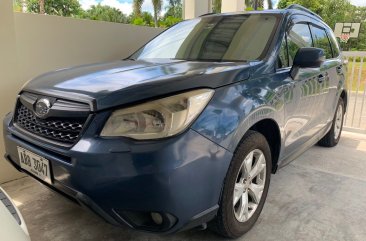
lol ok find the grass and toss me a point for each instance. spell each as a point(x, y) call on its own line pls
point(354, 83)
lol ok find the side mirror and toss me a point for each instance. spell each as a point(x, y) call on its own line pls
point(307, 58)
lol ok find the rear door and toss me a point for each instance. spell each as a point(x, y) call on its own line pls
point(329, 76)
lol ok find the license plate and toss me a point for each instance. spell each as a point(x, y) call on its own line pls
point(35, 164)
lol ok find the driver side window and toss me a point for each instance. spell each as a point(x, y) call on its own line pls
point(298, 36)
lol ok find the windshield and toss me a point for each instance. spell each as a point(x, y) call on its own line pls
point(241, 37)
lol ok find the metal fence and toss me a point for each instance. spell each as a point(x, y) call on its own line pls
point(355, 119)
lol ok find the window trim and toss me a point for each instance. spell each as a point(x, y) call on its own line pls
point(288, 60)
point(336, 45)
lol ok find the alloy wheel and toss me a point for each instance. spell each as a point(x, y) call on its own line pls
point(338, 122)
point(249, 185)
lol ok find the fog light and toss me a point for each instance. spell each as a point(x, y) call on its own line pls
point(157, 218)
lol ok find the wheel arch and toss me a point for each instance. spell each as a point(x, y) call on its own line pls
point(271, 131)
point(345, 99)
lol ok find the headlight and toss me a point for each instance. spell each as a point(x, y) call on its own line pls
point(158, 119)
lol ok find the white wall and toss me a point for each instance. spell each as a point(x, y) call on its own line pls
point(195, 8)
point(32, 44)
point(9, 81)
point(49, 42)
point(228, 6)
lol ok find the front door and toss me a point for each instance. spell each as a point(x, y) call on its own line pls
point(303, 105)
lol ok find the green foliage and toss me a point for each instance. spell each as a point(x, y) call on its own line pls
point(314, 5)
point(105, 13)
point(169, 21)
point(216, 6)
point(257, 4)
point(334, 11)
point(137, 7)
point(56, 7)
point(145, 19)
point(72, 8)
point(175, 9)
point(17, 5)
point(139, 21)
point(157, 4)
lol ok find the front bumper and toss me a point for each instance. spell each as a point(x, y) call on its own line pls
point(181, 176)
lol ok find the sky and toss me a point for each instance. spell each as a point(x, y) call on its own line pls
point(359, 2)
point(125, 6)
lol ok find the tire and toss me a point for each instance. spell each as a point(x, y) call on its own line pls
point(332, 138)
point(228, 221)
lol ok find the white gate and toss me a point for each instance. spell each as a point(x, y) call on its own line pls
point(355, 119)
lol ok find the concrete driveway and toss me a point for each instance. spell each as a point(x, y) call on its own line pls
point(319, 196)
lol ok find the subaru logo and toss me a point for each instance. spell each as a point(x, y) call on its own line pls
point(42, 107)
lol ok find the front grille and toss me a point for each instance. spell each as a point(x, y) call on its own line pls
point(63, 129)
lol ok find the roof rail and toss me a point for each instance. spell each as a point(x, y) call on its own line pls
point(301, 8)
point(206, 14)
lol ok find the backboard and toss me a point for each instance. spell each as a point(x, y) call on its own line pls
point(344, 31)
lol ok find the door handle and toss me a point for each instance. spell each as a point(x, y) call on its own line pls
point(339, 70)
point(321, 78)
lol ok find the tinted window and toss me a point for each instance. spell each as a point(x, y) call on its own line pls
point(298, 36)
point(214, 38)
point(282, 61)
point(321, 40)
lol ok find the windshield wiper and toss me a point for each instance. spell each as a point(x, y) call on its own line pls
point(212, 60)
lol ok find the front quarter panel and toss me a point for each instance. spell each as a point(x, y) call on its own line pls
point(236, 108)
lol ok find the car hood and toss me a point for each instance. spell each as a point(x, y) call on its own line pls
point(107, 85)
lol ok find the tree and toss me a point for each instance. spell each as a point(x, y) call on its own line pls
point(174, 9)
point(270, 4)
point(157, 4)
point(169, 21)
point(55, 7)
point(105, 13)
point(18, 5)
point(216, 6)
point(333, 11)
point(157, 9)
point(258, 4)
point(41, 7)
point(137, 7)
point(145, 19)
point(314, 5)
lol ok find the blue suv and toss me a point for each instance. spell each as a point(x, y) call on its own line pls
point(187, 131)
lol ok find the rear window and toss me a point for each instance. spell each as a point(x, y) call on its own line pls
point(321, 40)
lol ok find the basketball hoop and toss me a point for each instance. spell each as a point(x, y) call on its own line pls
point(344, 37)
point(345, 31)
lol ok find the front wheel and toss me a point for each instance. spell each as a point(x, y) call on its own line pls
point(245, 188)
point(332, 137)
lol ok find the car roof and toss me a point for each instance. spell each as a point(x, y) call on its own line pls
point(292, 9)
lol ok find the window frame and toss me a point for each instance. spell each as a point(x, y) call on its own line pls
point(291, 25)
point(284, 40)
point(333, 39)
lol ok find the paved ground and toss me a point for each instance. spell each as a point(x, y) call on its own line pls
point(320, 196)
